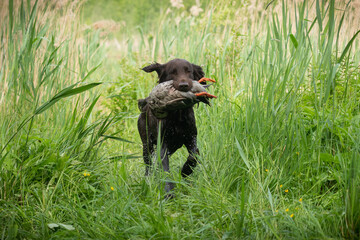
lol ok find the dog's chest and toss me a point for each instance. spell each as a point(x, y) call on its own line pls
point(179, 128)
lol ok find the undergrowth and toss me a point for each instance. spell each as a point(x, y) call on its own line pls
point(279, 147)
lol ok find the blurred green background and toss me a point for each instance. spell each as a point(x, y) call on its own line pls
point(145, 14)
point(279, 147)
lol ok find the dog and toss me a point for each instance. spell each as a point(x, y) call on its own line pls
point(178, 128)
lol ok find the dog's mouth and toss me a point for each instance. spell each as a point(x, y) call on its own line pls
point(183, 86)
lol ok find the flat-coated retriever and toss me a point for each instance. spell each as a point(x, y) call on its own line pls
point(178, 128)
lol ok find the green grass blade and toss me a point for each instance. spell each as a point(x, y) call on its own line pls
point(242, 154)
point(69, 91)
point(339, 27)
point(293, 40)
point(346, 49)
point(116, 138)
point(90, 72)
point(318, 15)
point(11, 16)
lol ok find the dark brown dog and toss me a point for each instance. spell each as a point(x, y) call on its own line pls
point(179, 127)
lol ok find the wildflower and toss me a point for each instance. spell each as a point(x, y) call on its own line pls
point(287, 190)
point(177, 21)
point(177, 3)
point(85, 174)
point(297, 153)
point(286, 210)
point(168, 11)
point(300, 200)
point(266, 170)
point(195, 10)
point(277, 211)
point(88, 174)
point(281, 186)
point(292, 215)
point(112, 189)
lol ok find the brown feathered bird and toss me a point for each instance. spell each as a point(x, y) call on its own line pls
point(164, 97)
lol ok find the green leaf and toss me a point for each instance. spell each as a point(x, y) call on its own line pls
point(11, 17)
point(318, 15)
point(347, 47)
point(67, 92)
point(70, 92)
point(117, 138)
point(67, 227)
point(90, 72)
point(127, 156)
point(293, 40)
point(53, 226)
point(242, 154)
point(327, 157)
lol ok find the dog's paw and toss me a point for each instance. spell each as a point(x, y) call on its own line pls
point(169, 196)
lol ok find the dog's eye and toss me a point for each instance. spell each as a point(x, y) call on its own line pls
point(173, 71)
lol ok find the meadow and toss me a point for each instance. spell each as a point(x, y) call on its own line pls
point(279, 147)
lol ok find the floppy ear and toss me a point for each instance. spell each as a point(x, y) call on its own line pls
point(198, 72)
point(154, 67)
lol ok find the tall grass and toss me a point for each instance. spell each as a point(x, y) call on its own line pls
point(279, 147)
point(43, 138)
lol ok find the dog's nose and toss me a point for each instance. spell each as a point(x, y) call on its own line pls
point(183, 86)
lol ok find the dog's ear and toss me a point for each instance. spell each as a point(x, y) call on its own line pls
point(154, 67)
point(198, 72)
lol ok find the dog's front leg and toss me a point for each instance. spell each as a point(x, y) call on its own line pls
point(148, 149)
point(192, 160)
point(164, 154)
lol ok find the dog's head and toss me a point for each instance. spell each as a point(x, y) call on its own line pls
point(179, 70)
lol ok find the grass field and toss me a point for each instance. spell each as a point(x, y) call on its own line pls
point(280, 146)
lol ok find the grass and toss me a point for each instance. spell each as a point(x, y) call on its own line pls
point(279, 147)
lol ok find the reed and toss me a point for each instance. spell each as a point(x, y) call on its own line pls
point(279, 146)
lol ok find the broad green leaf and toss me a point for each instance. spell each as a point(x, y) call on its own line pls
point(293, 40)
point(327, 157)
point(67, 92)
point(53, 226)
point(70, 92)
point(67, 227)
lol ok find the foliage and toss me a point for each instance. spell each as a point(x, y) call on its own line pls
point(279, 147)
